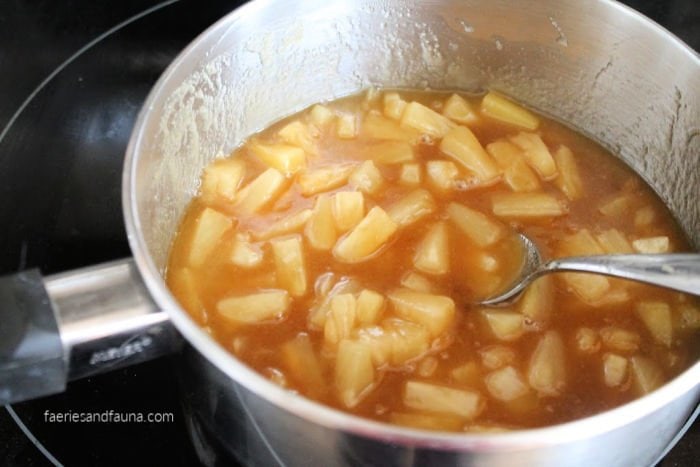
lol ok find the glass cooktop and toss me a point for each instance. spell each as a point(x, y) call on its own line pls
point(73, 75)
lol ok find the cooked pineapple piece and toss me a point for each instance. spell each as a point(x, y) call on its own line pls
point(261, 191)
point(302, 364)
point(656, 316)
point(390, 152)
point(289, 224)
point(647, 374)
point(427, 421)
point(245, 254)
point(409, 341)
point(506, 384)
point(290, 265)
point(367, 178)
point(341, 318)
point(283, 157)
point(652, 245)
point(441, 399)
point(617, 206)
point(326, 287)
point(221, 180)
point(379, 341)
point(348, 209)
point(410, 174)
point(622, 340)
point(614, 370)
point(527, 205)
point(516, 173)
point(376, 126)
point(481, 229)
point(486, 262)
point(467, 373)
point(459, 110)
point(687, 318)
point(498, 107)
point(442, 175)
point(346, 127)
point(615, 296)
point(536, 154)
point(589, 287)
point(547, 370)
point(496, 356)
point(461, 144)
point(435, 312)
point(299, 134)
point(411, 208)
point(323, 179)
point(370, 306)
point(256, 307)
point(614, 242)
point(184, 287)
point(320, 228)
point(569, 179)
point(537, 302)
point(432, 255)
point(393, 105)
point(643, 217)
point(320, 115)
point(587, 340)
point(426, 367)
point(414, 281)
point(425, 120)
point(505, 325)
point(366, 238)
point(354, 372)
point(210, 229)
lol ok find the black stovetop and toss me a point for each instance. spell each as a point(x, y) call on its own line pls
point(73, 75)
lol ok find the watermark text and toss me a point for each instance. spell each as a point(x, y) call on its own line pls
point(108, 416)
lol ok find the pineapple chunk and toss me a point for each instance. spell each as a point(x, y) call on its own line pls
point(589, 287)
point(614, 242)
point(346, 127)
point(414, 281)
point(435, 312)
point(498, 107)
point(442, 175)
point(587, 340)
point(506, 384)
point(221, 180)
point(481, 229)
point(286, 225)
point(652, 245)
point(617, 206)
point(367, 178)
point(537, 302)
point(496, 356)
point(354, 372)
point(211, 227)
point(461, 144)
point(687, 317)
point(244, 254)
point(426, 367)
point(408, 340)
point(184, 286)
point(505, 325)
point(569, 179)
point(290, 265)
point(516, 173)
point(390, 152)
point(320, 228)
point(656, 316)
point(255, 308)
point(644, 216)
point(527, 205)
point(323, 179)
point(366, 238)
point(427, 421)
point(614, 370)
point(326, 288)
point(432, 255)
point(443, 400)
point(619, 339)
point(411, 208)
point(536, 154)
point(370, 305)
point(341, 318)
point(375, 126)
point(348, 209)
point(320, 115)
point(458, 110)
point(283, 157)
point(379, 341)
point(302, 364)
point(547, 370)
point(647, 375)
point(393, 105)
point(299, 134)
point(410, 175)
point(467, 374)
point(425, 120)
point(261, 191)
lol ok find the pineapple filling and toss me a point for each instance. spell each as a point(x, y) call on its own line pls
point(340, 251)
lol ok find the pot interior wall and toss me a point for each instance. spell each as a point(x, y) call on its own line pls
point(598, 67)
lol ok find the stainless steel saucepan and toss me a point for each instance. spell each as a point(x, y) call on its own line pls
point(598, 66)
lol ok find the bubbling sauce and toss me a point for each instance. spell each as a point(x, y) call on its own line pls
point(340, 252)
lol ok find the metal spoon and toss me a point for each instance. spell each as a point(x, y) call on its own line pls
point(678, 271)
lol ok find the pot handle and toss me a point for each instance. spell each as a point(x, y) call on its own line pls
point(76, 324)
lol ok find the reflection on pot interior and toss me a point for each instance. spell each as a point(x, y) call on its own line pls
point(339, 253)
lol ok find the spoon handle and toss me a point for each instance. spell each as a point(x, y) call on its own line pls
point(679, 271)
